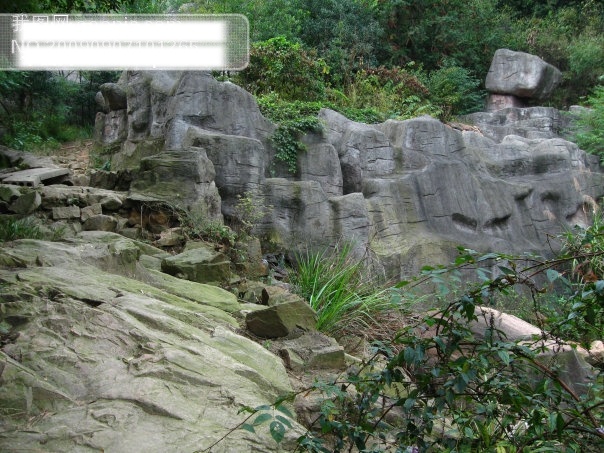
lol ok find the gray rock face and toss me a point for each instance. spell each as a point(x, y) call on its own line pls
point(114, 96)
point(521, 74)
point(410, 190)
point(145, 363)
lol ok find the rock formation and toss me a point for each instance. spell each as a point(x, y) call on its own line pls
point(107, 353)
point(516, 76)
point(410, 190)
point(110, 344)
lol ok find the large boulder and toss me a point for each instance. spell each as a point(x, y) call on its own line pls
point(521, 74)
point(287, 315)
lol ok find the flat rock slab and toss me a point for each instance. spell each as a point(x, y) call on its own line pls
point(33, 176)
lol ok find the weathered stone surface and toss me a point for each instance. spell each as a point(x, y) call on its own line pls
point(411, 191)
point(111, 203)
point(170, 238)
point(90, 211)
point(181, 178)
point(364, 152)
point(275, 295)
point(110, 128)
point(18, 160)
point(131, 153)
point(596, 354)
point(288, 318)
point(313, 350)
point(114, 96)
point(33, 177)
point(250, 291)
point(100, 102)
point(124, 365)
point(9, 193)
point(530, 122)
point(521, 74)
point(254, 265)
point(100, 222)
point(202, 265)
point(27, 203)
point(60, 195)
point(239, 163)
point(503, 101)
point(66, 212)
point(319, 162)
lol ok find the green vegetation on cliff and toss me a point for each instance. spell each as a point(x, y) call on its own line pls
point(401, 58)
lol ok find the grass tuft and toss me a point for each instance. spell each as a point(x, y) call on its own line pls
point(26, 228)
point(339, 289)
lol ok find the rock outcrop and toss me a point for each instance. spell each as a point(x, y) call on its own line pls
point(410, 190)
point(100, 353)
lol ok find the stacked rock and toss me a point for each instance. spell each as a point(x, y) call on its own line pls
point(516, 77)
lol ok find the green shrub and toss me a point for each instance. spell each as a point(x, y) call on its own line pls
point(455, 91)
point(250, 209)
point(589, 133)
point(294, 119)
point(284, 67)
point(436, 386)
point(396, 92)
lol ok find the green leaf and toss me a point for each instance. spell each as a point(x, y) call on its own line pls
point(504, 356)
point(247, 409)
point(507, 271)
point(248, 427)
point(262, 418)
point(284, 410)
point(402, 283)
point(552, 275)
point(277, 431)
point(283, 420)
point(409, 355)
point(488, 256)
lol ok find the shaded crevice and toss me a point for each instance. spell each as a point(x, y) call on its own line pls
point(464, 223)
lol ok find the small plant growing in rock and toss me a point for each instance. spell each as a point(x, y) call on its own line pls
point(249, 210)
point(335, 284)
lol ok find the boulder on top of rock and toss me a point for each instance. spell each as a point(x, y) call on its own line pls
point(521, 74)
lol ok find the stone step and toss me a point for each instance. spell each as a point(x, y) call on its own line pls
point(33, 177)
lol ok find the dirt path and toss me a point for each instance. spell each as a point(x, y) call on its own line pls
point(74, 155)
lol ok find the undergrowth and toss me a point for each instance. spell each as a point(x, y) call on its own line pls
point(590, 125)
point(12, 229)
point(336, 285)
point(451, 380)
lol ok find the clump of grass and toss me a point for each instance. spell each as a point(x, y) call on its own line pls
point(26, 228)
point(346, 298)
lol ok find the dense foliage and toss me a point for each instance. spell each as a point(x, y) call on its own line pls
point(394, 58)
point(589, 134)
point(441, 385)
